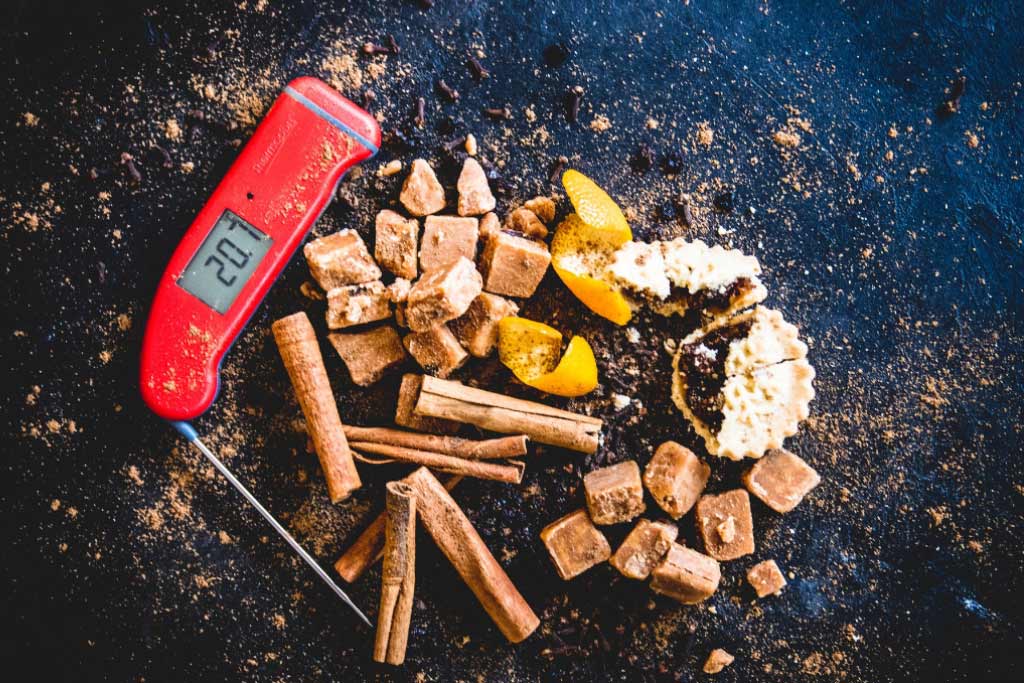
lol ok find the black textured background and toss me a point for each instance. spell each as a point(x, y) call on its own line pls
point(902, 270)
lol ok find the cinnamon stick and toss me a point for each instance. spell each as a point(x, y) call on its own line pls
point(504, 447)
point(499, 413)
point(369, 547)
point(509, 471)
point(461, 544)
point(300, 352)
point(399, 577)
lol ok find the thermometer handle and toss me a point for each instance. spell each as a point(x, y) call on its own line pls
point(274, 192)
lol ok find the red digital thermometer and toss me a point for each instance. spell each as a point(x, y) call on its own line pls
point(236, 247)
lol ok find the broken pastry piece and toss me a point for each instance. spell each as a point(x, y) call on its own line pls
point(766, 578)
point(717, 661)
point(686, 575)
point(475, 197)
point(395, 243)
point(575, 544)
point(477, 328)
point(726, 525)
point(442, 295)
point(445, 239)
point(357, 304)
point(369, 355)
point(422, 194)
point(340, 259)
point(646, 544)
point(781, 480)
point(614, 493)
point(744, 383)
point(676, 478)
point(436, 350)
point(513, 265)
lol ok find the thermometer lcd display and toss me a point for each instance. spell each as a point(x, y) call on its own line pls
point(224, 262)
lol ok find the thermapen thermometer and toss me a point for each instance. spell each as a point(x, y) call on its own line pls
point(236, 247)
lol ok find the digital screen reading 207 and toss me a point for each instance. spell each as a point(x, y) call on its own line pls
point(224, 262)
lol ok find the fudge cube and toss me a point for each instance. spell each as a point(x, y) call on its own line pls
point(437, 350)
point(725, 524)
point(340, 259)
point(369, 355)
point(614, 493)
point(781, 479)
point(543, 208)
point(766, 578)
point(442, 295)
point(646, 544)
point(445, 239)
point(717, 661)
point(475, 195)
point(686, 575)
point(489, 226)
point(405, 414)
point(477, 328)
point(421, 194)
point(676, 478)
point(394, 246)
point(357, 304)
point(524, 221)
point(513, 265)
point(575, 544)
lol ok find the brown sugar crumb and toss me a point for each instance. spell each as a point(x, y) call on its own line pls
point(971, 139)
point(55, 504)
point(224, 538)
point(134, 476)
point(717, 661)
point(279, 621)
point(172, 130)
point(705, 135)
point(30, 119)
point(784, 138)
point(600, 123)
point(893, 133)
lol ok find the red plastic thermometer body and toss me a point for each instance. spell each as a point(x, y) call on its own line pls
point(245, 234)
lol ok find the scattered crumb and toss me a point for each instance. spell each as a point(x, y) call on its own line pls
point(600, 123)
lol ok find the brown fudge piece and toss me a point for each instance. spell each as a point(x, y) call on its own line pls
point(766, 578)
point(369, 355)
point(445, 239)
point(489, 226)
point(717, 661)
point(781, 479)
point(357, 304)
point(394, 246)
point(614, 493)
point(513, 265)
point(421, 194)
point(405, 415)
point(437, 350)
point(646, 544)
point(475, 195)
point(477, 328)
point(442, 295)
point(725, 524)
point(575, 544)
point(676, 478)
point(686, 575)
point(340, 259)
point(524, 221)
point(542, 207)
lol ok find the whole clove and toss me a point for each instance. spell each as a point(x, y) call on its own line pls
point(371, 48)
point(476, 68)
point(454, 143)
point(643, 158)
point(558, 167)
point(421, 112)
point(368, 97)
point(685, 210)
point(392, 44)
point(448, 91)
point(129, 163)
point(195, 116)
point(497, 113)
point(556, 54)
point(165, 156)
point(573, 99)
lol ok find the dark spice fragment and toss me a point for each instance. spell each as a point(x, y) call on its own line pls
point(642, 159)
point(448, 91)
point(392, 44)
point(952, 103)
point(426, 4)
point(497, 112)
point(421, 112)
point(476, 68)
point(724, 202)
point(454, 144)
point(129, 164)
point(447, 125)
point(672, 163)
point(211, 50)
point(558, 167)
point(368, 97)
point(688, 641)
point(372, 48)
point(573, 99)
point(165, 156)
point(556, 54)
point(685, 210)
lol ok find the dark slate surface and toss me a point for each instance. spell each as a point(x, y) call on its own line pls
point(126, 559)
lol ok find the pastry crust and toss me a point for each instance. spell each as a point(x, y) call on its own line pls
point(770, 340)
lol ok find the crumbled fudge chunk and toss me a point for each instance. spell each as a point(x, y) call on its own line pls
point(369, 355)
point(405, 413)
point(614, 493)
point(477, 328)
point(475, 195)
point(646, 544)
point(489, 226)
point(543, 208)
point(398, 291)
point(524, 221)
point(575, 544)
point(766, 578)
point(442, 295)
point(422, 194)
point(686, 575)
point(340, 259)
point(781, 479)
point(436, 350)
point(676, 478)
point(357, 304)
point(725, 524)
point(395, 243)
point(717, 661)
point(445, 239)
point(513, 265)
